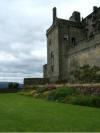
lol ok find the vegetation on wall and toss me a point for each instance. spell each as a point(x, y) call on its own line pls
point(87, 74)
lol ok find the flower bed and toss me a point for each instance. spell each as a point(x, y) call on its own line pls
point(80, 95)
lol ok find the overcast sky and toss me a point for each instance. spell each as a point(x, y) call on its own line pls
point(23, 25)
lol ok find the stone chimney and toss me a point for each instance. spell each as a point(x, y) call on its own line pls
point(54, 14)
point(75, 17)
point(95, 8)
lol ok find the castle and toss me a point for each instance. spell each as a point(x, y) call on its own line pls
point(72, 43)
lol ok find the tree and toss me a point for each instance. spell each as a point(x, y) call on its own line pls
point(10, 85)
point(16, 85)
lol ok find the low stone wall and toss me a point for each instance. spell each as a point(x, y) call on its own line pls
point(72, 85)
point(7, 90)
point(35, 81)
point(84, 85)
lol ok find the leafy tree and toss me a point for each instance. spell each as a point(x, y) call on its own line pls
point(10, 85)
point(16, 85)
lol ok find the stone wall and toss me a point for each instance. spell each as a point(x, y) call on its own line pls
point(53, 53)
point(9, 90)
point(86, 52)
point(35, 81)
point(67, 30)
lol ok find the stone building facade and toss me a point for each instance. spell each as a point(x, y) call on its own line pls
point(72, 43)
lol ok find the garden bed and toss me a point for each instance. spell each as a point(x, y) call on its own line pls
point(88, 95)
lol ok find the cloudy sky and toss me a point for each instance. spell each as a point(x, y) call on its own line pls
point(23, 25)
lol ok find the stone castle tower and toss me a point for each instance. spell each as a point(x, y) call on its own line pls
point(72, 43)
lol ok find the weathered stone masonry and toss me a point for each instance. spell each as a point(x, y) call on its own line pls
point(72, 43)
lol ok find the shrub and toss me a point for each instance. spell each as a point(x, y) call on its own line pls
point(67, 99)
point(51, 95)
point(10, 85)
point(44, 94)
point(25, 92)
point(60, 99)
point(89, 91)
point(50, 87)
point(33, 92)
point(41, 90)
point(16, 85)
point(63, 92)
point(13, 85)
point(96, 101)
point(85, 101)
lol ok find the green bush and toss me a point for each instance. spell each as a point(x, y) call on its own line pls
point(13, 85)
point(16, 85)
point(85, 101)
point(51, 95)
point(59, 94)
point(10, 85)
point(60, 99)
point(41, 90)
point(25, 92)
point(63, 92)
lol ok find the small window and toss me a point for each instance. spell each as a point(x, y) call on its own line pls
point(91, 35)
point(52, 61)
point(73, 41)
point(52, 68)
point(65, 37)
point(51, 54)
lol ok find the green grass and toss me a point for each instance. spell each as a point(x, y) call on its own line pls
point(23, 113)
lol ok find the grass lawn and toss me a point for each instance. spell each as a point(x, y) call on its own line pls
point(23, 113)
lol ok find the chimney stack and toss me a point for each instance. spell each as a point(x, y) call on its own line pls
point(54, 14)
point(95, 8)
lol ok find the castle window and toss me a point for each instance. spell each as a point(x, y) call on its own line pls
point(52, 68)
point(52, 61)
point(73, 41)
point(91, 35)
point(65, 37)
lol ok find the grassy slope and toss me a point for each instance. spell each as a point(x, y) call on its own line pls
point(22, 113)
